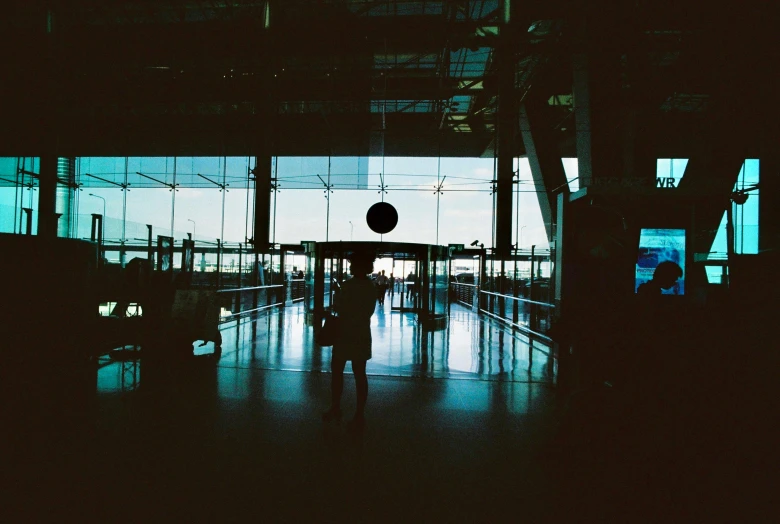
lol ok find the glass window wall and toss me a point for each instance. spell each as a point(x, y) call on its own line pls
point(18, 191)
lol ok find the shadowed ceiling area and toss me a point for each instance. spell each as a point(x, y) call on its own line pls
point(354, 77)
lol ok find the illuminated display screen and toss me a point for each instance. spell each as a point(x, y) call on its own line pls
point(665, 247)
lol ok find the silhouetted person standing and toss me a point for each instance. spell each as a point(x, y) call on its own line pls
point(665, 276)
point(355, 304)
point(411, 290)
point(381, 287)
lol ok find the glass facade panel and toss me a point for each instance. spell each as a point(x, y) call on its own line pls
point(18, 191)
point(673, 168)
point(442, 201)
point(439, 286)
point(745, 216)
point(299, 215)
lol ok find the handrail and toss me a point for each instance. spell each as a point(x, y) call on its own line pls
point(521, 299)
point(463, 284)
point(233, 290)
point(227, 318)
point(520, 327)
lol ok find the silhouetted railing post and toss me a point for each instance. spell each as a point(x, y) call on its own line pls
point(27, 211)
point(219, 264)
point(532, 308)
point(149, 246)
point(240, 269)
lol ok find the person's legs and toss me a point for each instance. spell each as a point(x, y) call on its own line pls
point(361, 385)
point(336, 388)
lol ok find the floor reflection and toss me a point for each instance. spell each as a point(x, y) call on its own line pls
point(470, 347)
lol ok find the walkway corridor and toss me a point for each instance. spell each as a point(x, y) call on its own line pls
point(471, 347)
point(244, 440)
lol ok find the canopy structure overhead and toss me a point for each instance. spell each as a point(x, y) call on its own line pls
point(349, 77)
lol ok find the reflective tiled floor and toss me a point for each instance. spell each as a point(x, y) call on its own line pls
point(470, 347)
point(241, 439)
point(223, 443)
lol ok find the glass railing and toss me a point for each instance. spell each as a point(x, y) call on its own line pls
point(238, 302)
point(463, 293)
point(235, 303)
point(297, 289)
point(531, 316)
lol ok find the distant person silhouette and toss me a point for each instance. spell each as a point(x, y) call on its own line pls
point(355, 304)
point(381, 287)
point(410, 286)
point(665, 276)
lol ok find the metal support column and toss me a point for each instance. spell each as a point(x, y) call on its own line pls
point(219, 264)
point(47, 197)
point(47, 181)
point(266, 112)
point(505, 141)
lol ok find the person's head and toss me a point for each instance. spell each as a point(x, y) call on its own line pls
point(667, 273)
point(383, 271)
point(361, 264)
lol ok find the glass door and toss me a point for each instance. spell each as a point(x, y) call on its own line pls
point(404, 298)
point(325, 272)
point(438, 285)
point(336, 271)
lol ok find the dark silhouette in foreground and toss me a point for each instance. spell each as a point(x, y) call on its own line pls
point(665, 276)
point(355, 303)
